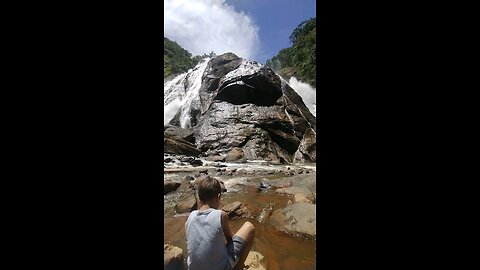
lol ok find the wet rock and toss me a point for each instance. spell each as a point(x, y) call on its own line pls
point(241, 171)
point(265, 212)
point(172, 257)
point(264, 185)
point(296, 189)
point(245, 105)
point(260, 172)
point(196, 163)
point(235, 155)
point(215, 158)
point(305, 180)
point(307, 150)
point(185, 186)
point(174, 146)
point(298, 219)
point(222, 185)
point(279, 182)
point(193, 185)
point(169, 186)
point(167, 160)
point(218, 165)
point(204, 171)
point(301, 198)
point(254, 261)
point(237, 210)
point(179, 133)
point(188, 178)
point(186, 204)
point(187, 159)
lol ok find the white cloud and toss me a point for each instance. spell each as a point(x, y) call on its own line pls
point(202, 26)
point(307, 92)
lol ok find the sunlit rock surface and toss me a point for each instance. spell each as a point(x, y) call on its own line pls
point(231, 103)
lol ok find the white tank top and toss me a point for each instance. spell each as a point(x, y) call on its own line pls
point(206, 241)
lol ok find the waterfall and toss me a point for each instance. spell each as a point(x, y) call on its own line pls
point(307, 92)
point(180, 92)
point(284, 83)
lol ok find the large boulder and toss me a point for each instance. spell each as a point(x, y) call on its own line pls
point(295, 190)
point(298, 219)
point(301, 198)
point(186, 204)
point(307, 150)
point(215, 158)
point(169, 186)
point(237, 210)
point(305, 180)
point(278, 183)
point(244, 105)
point(179, 133)
point(172, 257)
point(196, 163)
point(180, 147)
point(236, 154)
point(222, 185)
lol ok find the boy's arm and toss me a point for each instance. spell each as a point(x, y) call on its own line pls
point(226, 226)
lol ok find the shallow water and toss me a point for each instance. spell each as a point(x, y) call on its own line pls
point(281, 251)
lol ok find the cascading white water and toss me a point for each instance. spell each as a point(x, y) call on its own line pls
point(180, 92)
point(307, 92)
point(284, 83)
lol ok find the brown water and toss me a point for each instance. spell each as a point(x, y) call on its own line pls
point(281, 251)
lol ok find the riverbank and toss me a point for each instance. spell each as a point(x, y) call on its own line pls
point(285, 234)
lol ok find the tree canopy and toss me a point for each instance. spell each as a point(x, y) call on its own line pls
point(175, 58)
point(299, 60)
point(178, 60)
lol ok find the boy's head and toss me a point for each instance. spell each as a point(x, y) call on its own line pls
point(208, 189)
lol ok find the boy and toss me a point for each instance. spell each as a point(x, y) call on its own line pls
point(211, 244)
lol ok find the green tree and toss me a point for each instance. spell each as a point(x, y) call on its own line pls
point(300, 59)
point(176, 59)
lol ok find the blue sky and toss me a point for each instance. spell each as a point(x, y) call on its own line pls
point(252, 29)
point(276, 20)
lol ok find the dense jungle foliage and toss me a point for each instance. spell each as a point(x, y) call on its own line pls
point(178, 60)
point(300, 59)
point(175, 58)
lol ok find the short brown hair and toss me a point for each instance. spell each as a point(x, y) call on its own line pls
point(208, 189)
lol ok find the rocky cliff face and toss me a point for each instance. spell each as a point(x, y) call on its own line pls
point(234, 105)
